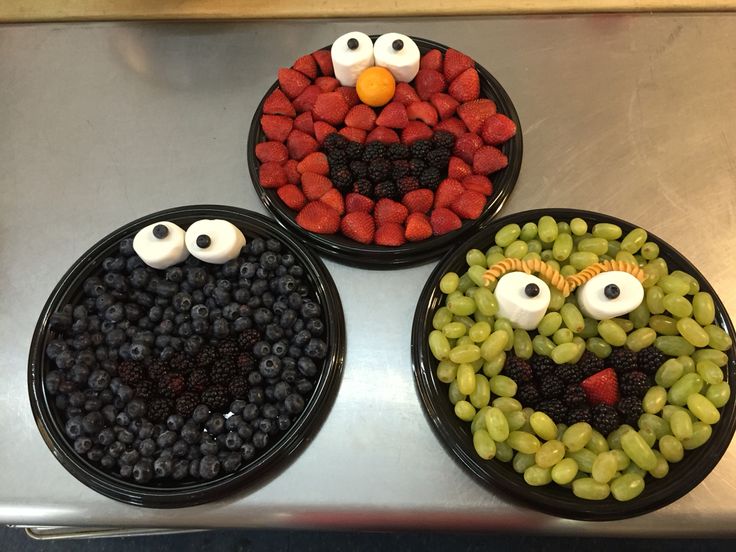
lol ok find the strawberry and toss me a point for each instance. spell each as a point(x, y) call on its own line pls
point(447, 192)
point(300, 144)
point(327, 84)
point(350, 95)
point(307, 66)
point(443, 221)
point(271, 175)
point(315, 162)
point(458, 169)
point(418, 227)
point(405, 94)
point(419, 201)
point(428, 82)
point(334, 199)
point(393, 115)
point(324, 61)
point(390, 233)
point(497, 129)
point(271, 151)
point(322, 130)
point(388, 210)
point(292, 175)
point(292, 82)
point(478, 183)
point(469, 205)
point(305, 123)
point(415, 130)
point(455, 63)
point(276, 127)
point(422, 111)
point(278, 104)
point(355, 202)
point(330, 107)
point(475, 113)
point(466, 86)
point(354, 134)
point(466, 146)
point(601, 387)
point(305, 101)
point(318, 218)
point(292, 196)
point(444, 104)
point(489, 159)
point(315, 185)
point(383, 134)
point(431, 60)
point(361, 116)
point(453, 125)
point(358, 226)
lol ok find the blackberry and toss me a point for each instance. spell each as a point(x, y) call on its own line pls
point(363, 186)
point(444, 139)
point(238, 387)
point(590, 364)
point(518, 370)
point(605, 418)
point(171, 385)
point(430, 178)
point(374, 150)
point(527, 395)
point(542, 366)
point(630, 409)
point(228, 347)
point(186, 404)
point(359, 169)
point(649, 360)
point(131, 371)
point(159, 409)
point(198, 380)
point(248, 338)
point(379, 169)
point(397, 151)
point(554, 408)
point(353, 150)
point(334, 141)
point(181, 363)
point(400, 169)
point(569, 373)
point(337, 158)
point(622, 360)
point(385, 189)
point(574, 396)
point(438, 158)
point(222, 371)
point(206, 356)
point(581, 414)
point(407, 184)
point(416, 166)
point(216, 398)
point(342, 178)
point(420, 148)
point(145, 389)
point(635, 384)
point(245, 363)
point(156, 370)
point(551, 387)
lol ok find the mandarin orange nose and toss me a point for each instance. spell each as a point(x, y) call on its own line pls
point(375, 86)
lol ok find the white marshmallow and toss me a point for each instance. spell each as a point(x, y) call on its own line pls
point(349, 64)
point(163, 252)
point(404, 63)
point(513, 303)
point(594, 304)
point(226, 240)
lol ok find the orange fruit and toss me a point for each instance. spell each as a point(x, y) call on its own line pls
point(375, 86)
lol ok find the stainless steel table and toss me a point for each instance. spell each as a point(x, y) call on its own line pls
point(102, 123)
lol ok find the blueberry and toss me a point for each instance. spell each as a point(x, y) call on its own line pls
point(116, 449)
point(260, 440)
point(106, 437)
point(180, 449)
point(73, 427)
point(98, 380)
point(220, 328)
point(270, 366)
point(201, 414)
point(166, 439)
point(209, 467)
point(193, 344)
point(139, 278)
point(255, 378)
point(307, 367)
point(107, 461)
point(126, 472)
point(95, 454)
point(304, 387)
point(254, 302)
point(147, 447)
point(248, 270)
point(190, 433)
point(129, 457)
point(165, 327)
point(274, 332)
point(259, 287)
point(247, 451)
point(241, 295)
point(122, 419)
point(216, 424)
point(126, 437)
point(221, 296)
point(310, 309)
point(286, 284)
point(261, 349)
point(281, 390)
point(250, 412)
point(174, 422)
point(125, 392)
point(185, 329)
point(143, 471)
point(233, 422)
point(262, 316)
point(200, 326)
point(138, 351)
point(82, 445)
point(256, 396)
point(93, 404)
point(241, 324)
point(288, 319)
point(162, 341)
point(237, 406)
point(262, 273)
point(114, 313)
point(316, 348)
point(208, 445)
point(294, 403)
point(297, 271)
point(269, 411)
point(232, 441)
point(182, 302)
point(302, 338)
point(194, 467)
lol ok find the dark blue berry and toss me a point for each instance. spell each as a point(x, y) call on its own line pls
point(143, 471)
point(209, 467)
point(215, 424)
point(316, 348)
point(166, 439)
point(307, 367)
point(73, 427)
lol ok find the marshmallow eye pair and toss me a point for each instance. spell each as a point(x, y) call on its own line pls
point(354, 52)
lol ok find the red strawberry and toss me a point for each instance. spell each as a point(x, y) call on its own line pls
point(390, 233)
point(292, 82)
point(324, 61)
point(318, 218)
point(315, 185)
point(489, 159)
point(327, 84)
point(271, 175)
point(422, 111)
point(315, 162)
point(452, 125)
point(455, 63)
point(419, 201)
point(443, 221)
point(292, 196)
point(271, 151)
point(431, 60)
point(292, 175)
point(358, 226)
point(469, 205)
point(444, 104)
point(305, 123)
point(383, 134)
point(276, 127)
point(428, 82)
point(306, 100)
point(331, 107)
point(466, 146)
point(415, 130)
point(334, 199)
point(355, 202)
point(418, 227)
point(478, 183)
point(466, 86)
point(458, 169)
point(393, 116)
point(361, 116)
point(405, 94)
point(307, 66)
point(388, 210)
point(475, 113)
point(447, 192)
point(278, 104)
point(497, 129)
point(350, 95)
point(354, 134)
point(300, 144)
point(322, 130)
point(601, 387)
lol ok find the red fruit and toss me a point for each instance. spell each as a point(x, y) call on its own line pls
point(315, 162)
point(478, 183)
point(601, 387)
point(307, 66)
point(383, 134)
point(489, 159)
point(444, 104)
point(315, 185)
point(443, 221)
point(466, 146)
point(292, 175)
point(497, 129)
point(428, 82)
point(334, 199)
point(324, 61)
point(306, 100)
point(292, 196)
point(418, 227)
point(455, 63)
point(271, 151)
point(388, 210)
point(453, 125)
point(418, 201)
point(305, 123)
point(415, 130)
point(355, 202)
point(300, 144)
point(292, 82)
point(466, 86)
point(327, 84)
point(331, 107)
point(390, 233)
point(405, 94)
point(422, 111)
point(322, 130)
point(447, 192)
point(358, 226)
point(475, 113)
point(318, 218)
point(350, 95)
point(393, 116)
point(271, 175)
point(458, 169)
point(278, 104)
point(361, 116)
point(431, 60)
point(354, 134)
point(469, 205)
point(276, 127)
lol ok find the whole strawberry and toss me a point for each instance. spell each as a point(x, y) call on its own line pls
point(601, 387)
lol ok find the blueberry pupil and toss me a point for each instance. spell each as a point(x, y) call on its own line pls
point(160, 231)
point(397, 44)
point(611, 291)
point(353, 44)
point(203, 241)
point(531, 290)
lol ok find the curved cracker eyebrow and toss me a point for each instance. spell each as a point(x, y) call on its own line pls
point(552, 275)
point(589, 272)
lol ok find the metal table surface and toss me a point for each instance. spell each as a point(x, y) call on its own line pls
point(632, 115)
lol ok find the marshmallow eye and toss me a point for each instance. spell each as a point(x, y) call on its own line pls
point(352, 53)
point(214, 241)
point(160, 245)
point(522, 299)
point(610, 294)
point(399, 54)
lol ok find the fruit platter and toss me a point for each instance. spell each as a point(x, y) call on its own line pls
point(576, 362)
point(384, 151)
point(187, 355)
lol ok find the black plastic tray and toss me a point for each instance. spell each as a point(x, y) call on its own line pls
point(499, 476)
point(259, 470)
point(349, 252)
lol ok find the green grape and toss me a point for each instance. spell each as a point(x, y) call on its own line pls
point(492, 257)
point(522, 461)
point(563, 335)
point(438, 345)
point(614, 438)
point(476, 273)
point(640, 339)
point(556, 299)
point(465, 379)
point(495, 365)
point(464, 340)
point(564, 471)
point(627, 487)
point(578, 226)
point(597, 246)
point(636, 470)
point(598, 347)
point(461, 306)
point(624, 323)
point(673, 345)
point(486, 302)
point(663, 325)
point(651, 276)
point(464, 410)
point(562, 247)
point(693, 285)
point(590, 328)
point(572, 318)
point(528, 231)
point(504, 453)
point(449, 282)
point(465, 353)
point(607, 231)
point(441, 317)
point(550, 453)
point(507, 234)
point(479, 420)
point(549, 324)
point(654, 400)
point(655, 424)
point(584, 458)
point(503, 386)
point(479, 331)
point(622, 461)
point(475, 257)
point(532, 256)
point(536, 476)
point(547, 229)
point(454, 393)
point(543, 426)
point(502, 324)
point(563, 227)
point(687, 385)
point(692, 332)
point(654, 298)
point(464, 320)
point(688, 364)
point(709, 372)
point(494, 345)
point(454, 330)
point(638, 450)
point(718, 339)
point(648, 435)
point(564, 353)
point(542, 345)
point(517, 249)
point(580, 342)
point(507, 404)
point(649, 251)
point(614, 246)
point(719, 358)
point(446, 371)
point(582, 259)
point(662, 468)
point(672, 285)
point(496, 424)
point(704, 309)
point(701, 434)
point(612, 333)
point(681, 425)
point(523, 442)
point(535, 246)
point(577, 436)
point(484, 445)
point(671, 448)
point(522, 344)
point(661, 265)
point(633, 241)
point(626, 257)
point(597, 443)
point(703, 409)
point(640, 316)
point(718, 393)
point(604, 467)
point(568, 270)
point(668, 373)
point(480, 317)
point(463, 285)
